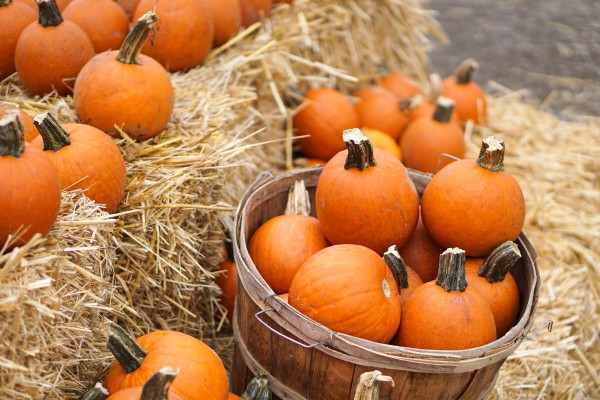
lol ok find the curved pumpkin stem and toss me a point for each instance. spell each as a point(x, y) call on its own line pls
point(491, 155)
point(157, 387)
point(464, 72)
point(368, 385)
point(12, 137)
point(451, 275)
point(499, 262)
point(444, 107)
point(49, 14)
point(98, 392)
point(395, 263)
point(259, 388)
point(298, 202)
point(360, 150)
point(131, 47)
point(125, 349)
point(53, 135)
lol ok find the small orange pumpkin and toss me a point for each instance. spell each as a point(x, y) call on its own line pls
point(406, 278)
point(468, 95)
point(401, 84)
point(14, 18)
point(227, 19)
point(253, 9)
point(156, 388)
point(380, 110)
point(29, 128)
point(383, 141)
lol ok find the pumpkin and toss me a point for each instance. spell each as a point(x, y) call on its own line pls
point(30, 189)
point(51, 52)
point(468, 95)
point(252, 10)
point(426, 139)
point(368, 385)
point(447, 314)
point(407, 280)
point(126, 89)
point(104, 21)
point(62, 4)
point(383, 141)
point(474, 204)
point(128, 6)
point(29, 129)
point(185, 36)
point(280, 245)
point(365, 196)
point(228, 282)
point(156, 388)
point(227, 19)
point(201, 373)
point(14, 18)
point(85, 158)
point(349, 289)
point(98, 392)
point(491, 278)
point(380, 110)
point(325, 114)
point(401, 84)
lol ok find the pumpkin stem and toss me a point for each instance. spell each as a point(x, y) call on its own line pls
point(360, 150)
point(410, 103)
point(53, 135)
point(491, 155)
point(435, 84)
point(4, 3)
point(395, 263)
point(49, 14)
point(464, 72)
point(98, 392)
point(499, 262)
point(298, 202)
point(451, 275)
point(368, 385)
point(125, 349)
point(12, 137)
point(131, 47)
point(444, 107)
point(259, 388)
point(157, 387)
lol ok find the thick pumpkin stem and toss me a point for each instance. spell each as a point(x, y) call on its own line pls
point(4, 3)
point(444, 107)
point(49, 14)
point(298, 202)
point(368, 385)
point(157, 387)
point(131, 47)
point(464, 72)
point(499, 262)
point(491, 155)
point(360, 150)
point(125, 349)
point(98, 392)
point(451, 275)
point(53, 135)
point(396, 264)
point(410, 103)
point(12, 138)
point(259, 388)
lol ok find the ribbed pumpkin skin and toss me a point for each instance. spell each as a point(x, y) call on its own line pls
point(136, 394)
point(251, 10)
point(14, 18)
point(30, 130)
point(422, 254)
point(472, 208)
point(349, 289)
point(94, 155)
point(201, 373)
point(467, 97)
point(227, 19)
point(400, 84)
point(381, 111)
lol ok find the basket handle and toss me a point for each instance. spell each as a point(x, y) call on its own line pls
point(305, 346)
point(441, 157)
point(546, 324)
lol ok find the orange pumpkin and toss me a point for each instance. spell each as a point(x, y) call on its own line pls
point(85, 158)
point(349, 289)
point(185, 36)
point(365, 196)
point(383, 141)
point(30, 189)
point(380, 110)
point(126, 89)
point(227, 19)
point(29, 128)
point(252, 10)
point(474, 204)
point(325, 114)
point(491, 278)
point(401, 84)
point(156, 388)
point(51, 52)
point(201, 373)
point(422, 253)
point(426, 139)
point(104, 21)
point(228, 282)
point(468, 95)
point(407, 280)
point(62, 4)
point(128, 6)
point(447, 314)
point(14, 18)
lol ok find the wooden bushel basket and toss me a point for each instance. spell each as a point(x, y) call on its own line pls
point(305, 360)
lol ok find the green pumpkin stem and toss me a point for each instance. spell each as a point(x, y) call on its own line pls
point(298, 202)
point(157, 387)
point(131, 47)
point(499, 262)
point(125, 349)
point(4, 3)
point(464, 72)
point(451, 275)
point(98, 392)
point(49, 14)
point(12, 137)
point(396, 264)
point(53, 135)
point(491, 155)
point(360, 150)
point(444, 107)
point(259, 388)
point(368, 385)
